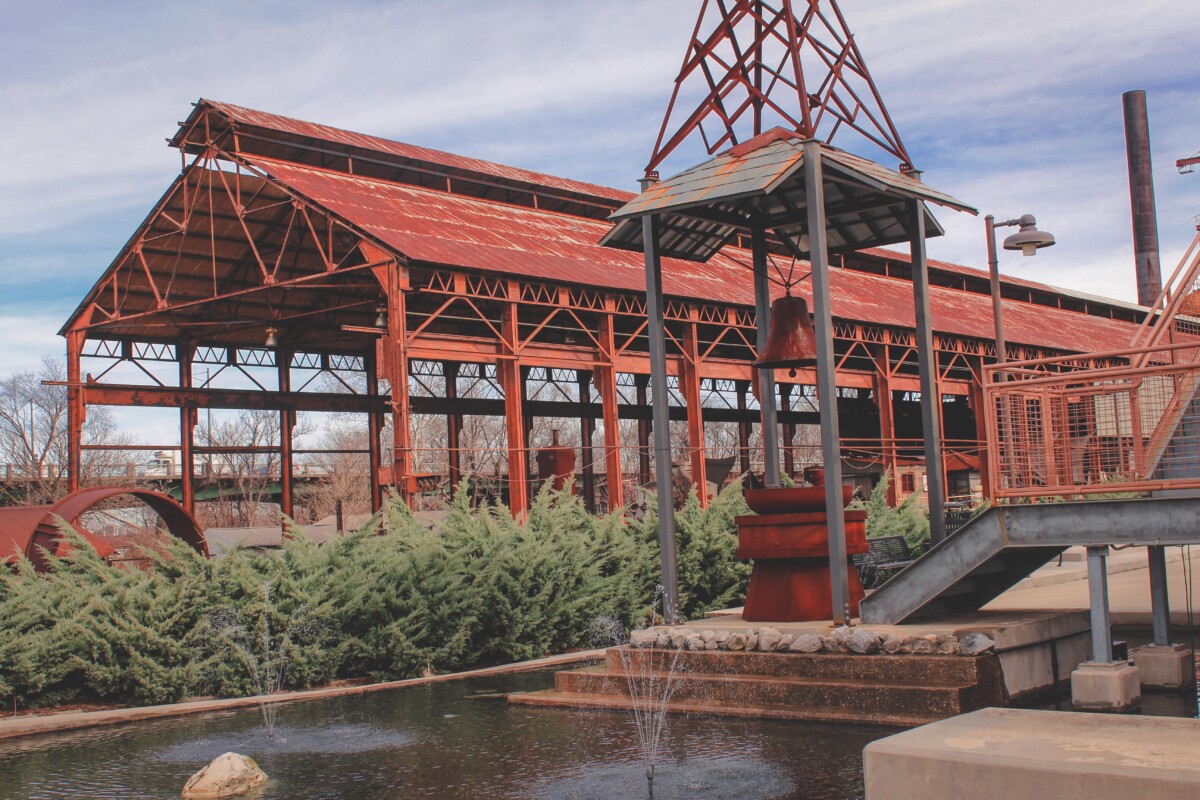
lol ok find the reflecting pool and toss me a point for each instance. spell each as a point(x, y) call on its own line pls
point(448, 740)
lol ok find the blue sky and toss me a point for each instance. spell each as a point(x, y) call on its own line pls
point(1014, 107)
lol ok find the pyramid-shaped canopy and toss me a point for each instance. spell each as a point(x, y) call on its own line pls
point(702, 208)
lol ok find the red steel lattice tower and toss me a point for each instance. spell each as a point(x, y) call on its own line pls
point(752, 65)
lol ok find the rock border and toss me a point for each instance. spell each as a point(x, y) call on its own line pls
point(854, 640)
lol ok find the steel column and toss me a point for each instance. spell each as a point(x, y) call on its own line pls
point(188, 417)
point(931, 397)
point(663, 483)
point(76, 409)
point(766, 377)
point(826, 381)
point(454, 425)
point(744, 426)
point(396, 348)
point(640, 383)
point(689, 382)
point(1097, 557)
point(789, 431)
point(978, 405)
point(374, 430)
point(606, 385)
point(509, 374)
point(1160, 601)
point(587, 427)
point(887, 422)
point(287, 425)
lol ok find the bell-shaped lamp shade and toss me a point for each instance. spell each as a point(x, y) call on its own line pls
point(791, 342)
point(1028, 239)
point(272, 337)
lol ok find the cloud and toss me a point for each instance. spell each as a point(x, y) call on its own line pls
point(1014, 107)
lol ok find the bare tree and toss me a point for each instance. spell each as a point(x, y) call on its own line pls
point(244, 472)
point(34, 437)
point(344, 475)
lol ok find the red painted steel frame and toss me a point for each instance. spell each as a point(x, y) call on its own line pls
point(231, 251)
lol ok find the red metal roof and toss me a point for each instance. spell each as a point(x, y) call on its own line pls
point(326, 133)
point(441, 228)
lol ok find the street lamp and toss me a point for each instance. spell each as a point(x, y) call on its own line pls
point(1028, 239)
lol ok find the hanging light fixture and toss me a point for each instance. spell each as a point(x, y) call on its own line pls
point(791, 341)
point(381, 316)
point(1028, 239)
point(272, 337)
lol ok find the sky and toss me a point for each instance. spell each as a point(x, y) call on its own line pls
point(1013, 107)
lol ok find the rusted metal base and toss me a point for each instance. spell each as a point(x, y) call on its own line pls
point(790, 581)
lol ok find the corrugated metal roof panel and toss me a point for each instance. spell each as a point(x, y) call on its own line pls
point(440, 228)
point(327, 133)
point(742, 172)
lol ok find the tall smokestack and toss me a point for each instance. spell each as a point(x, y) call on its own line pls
point(1141, 197)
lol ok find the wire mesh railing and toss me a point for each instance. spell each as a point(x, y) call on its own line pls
point(1125, 421)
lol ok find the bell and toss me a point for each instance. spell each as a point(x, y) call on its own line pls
point(790, 340)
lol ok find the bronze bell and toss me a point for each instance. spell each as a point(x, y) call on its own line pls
point(791, 341)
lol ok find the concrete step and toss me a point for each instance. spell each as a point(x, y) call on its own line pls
point(555, 699)
point(876, 668)
point(872, 699)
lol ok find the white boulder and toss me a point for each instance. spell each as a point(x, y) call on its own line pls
point(228, 775)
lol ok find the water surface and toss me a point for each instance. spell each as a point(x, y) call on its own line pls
point(449, 740)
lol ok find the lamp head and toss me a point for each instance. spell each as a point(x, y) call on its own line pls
point(272, 337)
point(1028, 239)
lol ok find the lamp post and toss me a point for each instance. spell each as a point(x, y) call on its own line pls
point(1028, 240)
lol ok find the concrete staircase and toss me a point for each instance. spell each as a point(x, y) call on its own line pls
point(1001, 547)
point(900, 690)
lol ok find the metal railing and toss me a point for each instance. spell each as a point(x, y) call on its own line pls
point(1123, 421)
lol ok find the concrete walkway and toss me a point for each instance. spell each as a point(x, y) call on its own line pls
point(30, 725)
point(1065, 587)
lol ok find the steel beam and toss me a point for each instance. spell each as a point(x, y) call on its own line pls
point(826, 387)
point(931, 397)
point(663, 479)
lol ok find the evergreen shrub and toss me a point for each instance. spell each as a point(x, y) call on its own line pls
point(480, 588)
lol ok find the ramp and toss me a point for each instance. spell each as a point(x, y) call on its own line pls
point(1002, 546)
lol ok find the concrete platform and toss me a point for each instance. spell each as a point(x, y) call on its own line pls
point(1065, 588)
point(999, 754)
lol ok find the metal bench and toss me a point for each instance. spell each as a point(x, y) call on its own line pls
point(887, 555)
